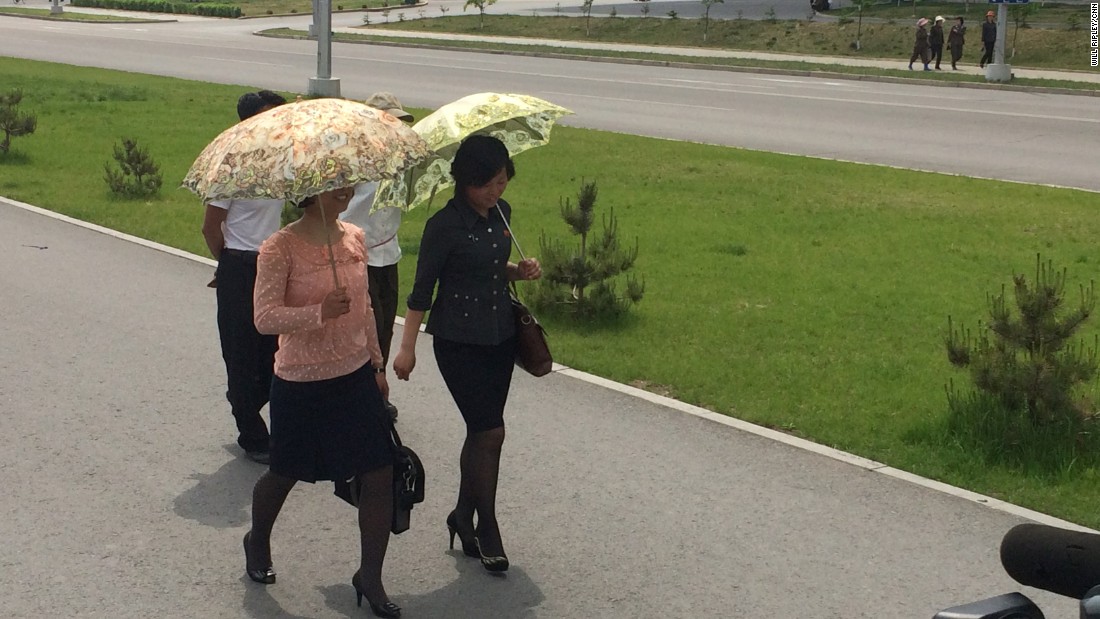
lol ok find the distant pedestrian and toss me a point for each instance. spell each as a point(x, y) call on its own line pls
point(955, 41)
point(989, 38)
point(935, 40)
point(234, 231)
point(920, 47)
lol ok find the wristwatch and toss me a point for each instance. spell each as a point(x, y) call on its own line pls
point(381, 370)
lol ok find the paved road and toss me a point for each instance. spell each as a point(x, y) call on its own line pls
point(125, 496)
point(1019, 136)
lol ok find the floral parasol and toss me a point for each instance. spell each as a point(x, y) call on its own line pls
point(305, 148)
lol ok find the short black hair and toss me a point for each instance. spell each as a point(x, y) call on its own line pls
point(478, 160)
point(961, 20)
point(251, 103)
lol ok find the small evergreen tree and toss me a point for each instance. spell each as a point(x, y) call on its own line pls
point(584, 277)
point(137, 175)
point(1025, 361)
point(12, 121)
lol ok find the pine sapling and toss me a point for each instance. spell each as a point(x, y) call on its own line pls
point(137, 175)
point(13, 122)
point(1025, 358)
point(583, 278)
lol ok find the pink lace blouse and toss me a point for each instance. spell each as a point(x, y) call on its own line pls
point(292, 279)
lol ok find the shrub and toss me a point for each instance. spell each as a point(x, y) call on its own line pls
point(1024, 360)
point(584, 278)
point(164, 6)
point(13, 122)
point(136, 174)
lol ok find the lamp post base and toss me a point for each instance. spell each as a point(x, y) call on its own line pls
point(998, 73)
point(324, 86)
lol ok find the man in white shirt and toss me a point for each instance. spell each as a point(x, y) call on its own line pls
point(383, 250)
point(234, 231)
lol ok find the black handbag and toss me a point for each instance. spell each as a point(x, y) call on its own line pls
point(408, 484)
point(532, 349)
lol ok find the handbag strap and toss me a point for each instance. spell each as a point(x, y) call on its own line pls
point(511, 235)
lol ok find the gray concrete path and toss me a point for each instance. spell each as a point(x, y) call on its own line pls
point(125, 495)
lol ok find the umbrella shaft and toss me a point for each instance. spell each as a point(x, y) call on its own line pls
point(511, 234)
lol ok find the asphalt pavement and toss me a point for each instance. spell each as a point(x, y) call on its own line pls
point(125, 495)
point(347, 22)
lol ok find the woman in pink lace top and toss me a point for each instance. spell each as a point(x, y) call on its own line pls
point(327, 416)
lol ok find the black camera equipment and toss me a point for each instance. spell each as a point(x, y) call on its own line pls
point(1057, 560)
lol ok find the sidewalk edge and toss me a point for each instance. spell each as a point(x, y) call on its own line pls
point(738, 424)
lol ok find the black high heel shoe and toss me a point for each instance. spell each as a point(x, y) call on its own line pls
point(386, 610)
point(492, 564)
point(264, 576)
point(469, 548)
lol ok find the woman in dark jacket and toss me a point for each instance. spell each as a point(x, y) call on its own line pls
point(920, 48)
point(955, 41)
point(465, 249)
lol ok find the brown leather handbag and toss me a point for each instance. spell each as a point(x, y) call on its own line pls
point(532, 350)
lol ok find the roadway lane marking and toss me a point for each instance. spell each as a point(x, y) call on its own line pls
point(802, 82)
point(1029, 116)
point(268, 64)
point(683, 81)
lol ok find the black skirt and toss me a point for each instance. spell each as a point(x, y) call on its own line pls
point(478, 377)
point(329, 429)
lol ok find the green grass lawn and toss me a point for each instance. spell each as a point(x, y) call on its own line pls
point(796, 293)
point(1039, 48)
point(1047, 14)
point(66, 15)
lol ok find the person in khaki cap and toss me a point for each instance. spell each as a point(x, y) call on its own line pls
point(383, 250)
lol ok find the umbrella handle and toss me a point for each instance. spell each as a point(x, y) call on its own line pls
point(514, 241)
point(328, 241)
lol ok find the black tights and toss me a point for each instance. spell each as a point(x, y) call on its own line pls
point(375, 513)
point(477, 492)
